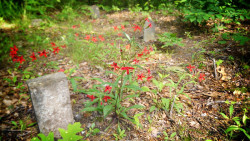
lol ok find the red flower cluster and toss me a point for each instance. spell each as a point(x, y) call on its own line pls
point(150, 25)
point(127, 69)
point(76, 26)
point(94, 39)
point(14, 55)
point(136, 27)
point(108, 88)
point(190, 68)
point(201, 77)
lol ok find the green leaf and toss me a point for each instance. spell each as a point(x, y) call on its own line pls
point(222, 42)
point(137, 122)
point(226, 117)
point(166, 103)
point(70, 134)
point(50, 137)
point(126, 116)
point(133, 87)
point(35, 139)
point(219, 62)
point(172, 135)
point(74, 85)
point(131, 96)
point(231, 110)
point(135, 106)
point(244, 118)
point(152, 108)
point(145, 89)
point(107, 110)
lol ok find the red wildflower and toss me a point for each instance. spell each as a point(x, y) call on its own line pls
point(94, 39)
point(127, 69)
point(20, 59)
point(136, 61)
point(56, 50)
point(63, 46)
point(106, 98)
point(53, 44)
point(101, 38)
point(136, 27)
point(119, 34)
point(13, 54)
point(149, 71)
point(14, 48)
point(140, 76)
point(146, 19)
point(75, 26)
point(122, 27)
point(201, 77)
point(33, 56)
point(190, 68)
point(145, 50)
point(76, 34)
point(112, 44)
point(140, 55)
point(87, 37)
point(149, 78)
point(61, 70)
point(108, 88)
point(115, 28)
point(91, 97)
point(150, 25)
point(115, 66)
point(43, 53)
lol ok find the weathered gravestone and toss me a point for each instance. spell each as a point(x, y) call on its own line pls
point(149, 30)
point(51, 101)
point(36, 22)
point(95, 12)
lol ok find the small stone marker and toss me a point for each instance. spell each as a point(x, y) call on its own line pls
point(51, 101)
point(36, 22)
point(149, 31)
point(95, 12)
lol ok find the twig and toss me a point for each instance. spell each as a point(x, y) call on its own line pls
point(172, 106)
point(215, 70)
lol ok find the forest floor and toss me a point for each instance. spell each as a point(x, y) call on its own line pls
point(198, 119)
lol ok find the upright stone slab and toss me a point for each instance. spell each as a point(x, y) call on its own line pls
point(95, 12)
point(51, 101)
point(149, 31)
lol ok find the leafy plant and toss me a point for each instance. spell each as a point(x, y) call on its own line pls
point(219, 62)
point(177, 88)
point(21, 125)
point(171, 136)
point(241, 125)
point(42, 137)
point(120, 133)
point(170, 39)
point(92, 130)
point(67, 135)
point(114, 98)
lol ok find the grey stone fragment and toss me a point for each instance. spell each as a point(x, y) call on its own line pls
point(36, 22)
point(95, 12)
point(149, 32)
point(51, 101)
